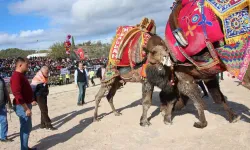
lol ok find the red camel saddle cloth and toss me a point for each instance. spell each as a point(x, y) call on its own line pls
point(191, 22)
point(127, 48)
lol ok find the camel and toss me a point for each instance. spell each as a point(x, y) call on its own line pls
point(186, 59)
point(126, 62)
point(185, 86)
point(116, 75)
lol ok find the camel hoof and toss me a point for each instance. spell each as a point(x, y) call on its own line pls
point(200, 125)
point(235, 119)
point(168, 122)
point(145, 123)
point(118, 114)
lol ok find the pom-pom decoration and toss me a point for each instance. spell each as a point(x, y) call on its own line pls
point(67, 44)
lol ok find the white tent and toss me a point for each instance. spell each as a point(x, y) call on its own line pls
point(38, 55)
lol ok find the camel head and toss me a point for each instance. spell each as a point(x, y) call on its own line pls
point(158, 53)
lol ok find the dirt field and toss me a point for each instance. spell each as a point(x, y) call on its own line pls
point(76, 131)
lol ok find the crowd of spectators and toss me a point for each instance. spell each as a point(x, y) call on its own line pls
point(7, 65)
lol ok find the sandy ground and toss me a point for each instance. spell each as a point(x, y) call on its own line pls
point(76, 131)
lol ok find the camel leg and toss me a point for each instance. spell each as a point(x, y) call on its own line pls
point(98, 98)
point(168, 100)
point(214, 89)
point(147, 92)
point(111, 94)
point(188, 87)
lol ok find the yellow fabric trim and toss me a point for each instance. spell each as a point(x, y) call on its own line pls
point(230, 11)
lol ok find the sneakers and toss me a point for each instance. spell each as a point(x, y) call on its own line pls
point(81, 104)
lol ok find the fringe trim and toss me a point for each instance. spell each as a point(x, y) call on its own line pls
point(234, 40)
point(239, 7)
point(111, 60)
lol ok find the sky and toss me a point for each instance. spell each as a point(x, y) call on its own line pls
point(37, 24)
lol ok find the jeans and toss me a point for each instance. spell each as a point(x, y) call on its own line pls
point(82, 89)
point(42, 103)
point(25, 125)
point(3, 123)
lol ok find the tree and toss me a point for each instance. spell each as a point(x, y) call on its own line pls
point(57, 51)
point(99, 43)
point(73, 46)
point(15, 52)
point(43, 51)
point(88, 43)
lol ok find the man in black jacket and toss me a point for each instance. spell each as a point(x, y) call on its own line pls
point(4, 99)
point(81, 80)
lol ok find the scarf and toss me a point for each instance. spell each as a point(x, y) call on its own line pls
point(39, 78)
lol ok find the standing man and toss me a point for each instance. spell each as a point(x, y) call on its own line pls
point(41, 90)
point(4, 99)
point(100, 72)
point(91, 76)
point(87, 73)
point(67, 76)
point(22, 92)
point(81, 80)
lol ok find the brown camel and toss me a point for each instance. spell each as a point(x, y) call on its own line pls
point(117, 74)
point(187, 60)
point(160, 74)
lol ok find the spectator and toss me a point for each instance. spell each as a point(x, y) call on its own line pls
point(67, 76)
point(22, 92)
point(81, 82)
point(4, 99)
point(100, 72)
point(41, 91)
point(91, 75)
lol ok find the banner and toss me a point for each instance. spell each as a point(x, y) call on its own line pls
point(64, 71)
point(79, 53)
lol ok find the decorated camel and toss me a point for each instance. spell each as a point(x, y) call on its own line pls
point(127, 61)
point(203, 38)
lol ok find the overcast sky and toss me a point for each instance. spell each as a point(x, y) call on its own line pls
point(37, 24)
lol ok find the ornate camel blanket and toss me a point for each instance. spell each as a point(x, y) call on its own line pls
point(232, 13)
point(235, 19)
point(127, 51)
point(236, 57)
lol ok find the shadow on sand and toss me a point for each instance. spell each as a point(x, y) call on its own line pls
point(213, 108)
point(55, 139)
point(63, 119)
point(217, 109)
point(155, 102)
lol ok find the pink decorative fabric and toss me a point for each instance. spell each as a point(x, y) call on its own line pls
point(190, 21)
